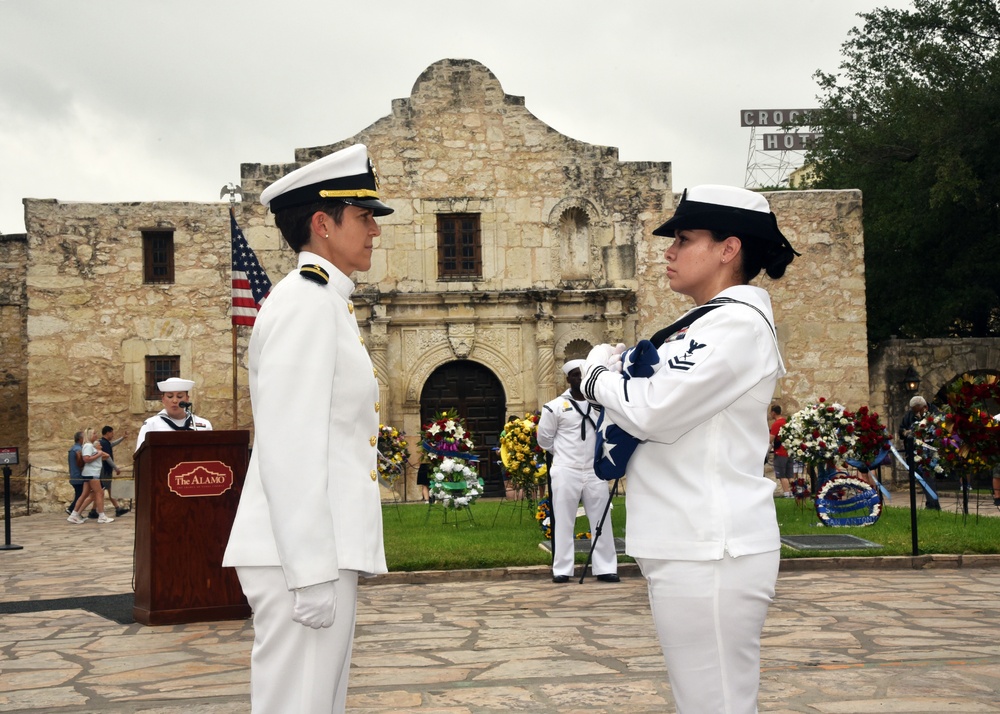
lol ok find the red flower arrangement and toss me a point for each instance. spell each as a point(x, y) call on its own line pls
point(971, 421)
point(872, 438)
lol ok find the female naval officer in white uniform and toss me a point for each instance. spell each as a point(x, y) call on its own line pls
point(310, 515)
point(701, 518)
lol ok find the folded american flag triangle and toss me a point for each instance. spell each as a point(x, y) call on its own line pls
point(615, 446)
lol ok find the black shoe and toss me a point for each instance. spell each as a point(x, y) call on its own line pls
point(609, 578)
point(93, 514)
point(996, 502)
point(560, 578)
point(69, 510)
point(119, 512)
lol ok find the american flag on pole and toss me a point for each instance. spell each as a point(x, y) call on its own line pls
point(250, 282)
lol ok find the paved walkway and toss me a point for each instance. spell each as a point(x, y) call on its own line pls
point(882, 638)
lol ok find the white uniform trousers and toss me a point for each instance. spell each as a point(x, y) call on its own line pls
point(709, 615)
point(295, 669)
point(569, 487)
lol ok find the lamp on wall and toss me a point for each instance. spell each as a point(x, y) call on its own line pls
point(911, 380)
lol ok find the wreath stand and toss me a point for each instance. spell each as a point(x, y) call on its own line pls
point(520, 501)
point(391, 485)
point(450, 486)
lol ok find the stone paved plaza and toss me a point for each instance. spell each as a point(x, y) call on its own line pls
point(882, 637)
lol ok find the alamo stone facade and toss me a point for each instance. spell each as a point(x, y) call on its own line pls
point(567, 261)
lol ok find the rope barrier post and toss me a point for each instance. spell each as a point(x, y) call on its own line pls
point(8, 455)
point(912, 468)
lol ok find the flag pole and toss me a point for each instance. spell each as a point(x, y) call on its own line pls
point(236, 416)
point(250, 286)
point(231, 190)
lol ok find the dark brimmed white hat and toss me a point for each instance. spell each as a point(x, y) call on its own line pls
point(728, 209)
point(175, 384)
point(347, 175)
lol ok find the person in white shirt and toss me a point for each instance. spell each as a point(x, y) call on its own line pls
point(310, 515)
point(567, 429)
point(701, 517)
point(175, 395)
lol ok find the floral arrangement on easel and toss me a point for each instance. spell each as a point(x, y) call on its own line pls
point(872, 438)
point(819, 433)
point(964, 437)
point(393, 448)
point(454, 478)
point(522, 458)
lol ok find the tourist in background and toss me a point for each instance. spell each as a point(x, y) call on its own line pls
point(783, 469)
point(92, 458)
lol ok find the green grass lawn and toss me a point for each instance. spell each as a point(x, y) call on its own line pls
point(506, 534)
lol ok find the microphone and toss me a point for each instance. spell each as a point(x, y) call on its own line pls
point(185, 405)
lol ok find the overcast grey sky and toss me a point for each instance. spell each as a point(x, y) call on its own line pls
point(143, 100)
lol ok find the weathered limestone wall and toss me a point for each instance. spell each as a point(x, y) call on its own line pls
point(820, 305)
point(92, 321)
point(13, 344)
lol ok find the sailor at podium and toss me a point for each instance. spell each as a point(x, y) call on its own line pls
point(175, 394)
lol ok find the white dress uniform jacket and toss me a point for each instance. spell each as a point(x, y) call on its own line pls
point(311, 502)
point(696, 485)
point(156, 423)
point(559, 432)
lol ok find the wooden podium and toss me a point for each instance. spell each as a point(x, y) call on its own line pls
point(187, 488)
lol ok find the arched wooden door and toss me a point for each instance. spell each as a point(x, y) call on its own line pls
point(477, 395)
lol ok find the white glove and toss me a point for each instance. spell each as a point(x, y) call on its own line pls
point(315, 605)
point(614, 363)
point(599, 356)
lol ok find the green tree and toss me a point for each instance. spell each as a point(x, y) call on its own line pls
point(912, 119)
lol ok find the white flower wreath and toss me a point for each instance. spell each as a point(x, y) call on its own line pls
point(455, 483)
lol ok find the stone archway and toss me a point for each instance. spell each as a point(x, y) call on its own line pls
point(477, 394)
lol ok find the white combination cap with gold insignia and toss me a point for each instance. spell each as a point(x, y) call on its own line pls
point(347, 175)
point(175, 384)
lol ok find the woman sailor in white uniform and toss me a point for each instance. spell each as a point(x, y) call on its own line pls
point(174, 393)
point(701, 517)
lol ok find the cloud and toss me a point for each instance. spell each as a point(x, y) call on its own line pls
point(117, 100)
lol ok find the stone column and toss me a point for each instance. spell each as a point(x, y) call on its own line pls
point(545, 362)
point(378, 344)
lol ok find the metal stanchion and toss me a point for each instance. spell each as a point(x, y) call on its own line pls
point(6, 511)
point(911, 466)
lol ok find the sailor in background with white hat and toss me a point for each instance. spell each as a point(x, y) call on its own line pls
point(175, 394)
point(310, 515)
point(567, 428)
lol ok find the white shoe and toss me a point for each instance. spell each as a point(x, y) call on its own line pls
point(104, 519)
point(75, 517)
